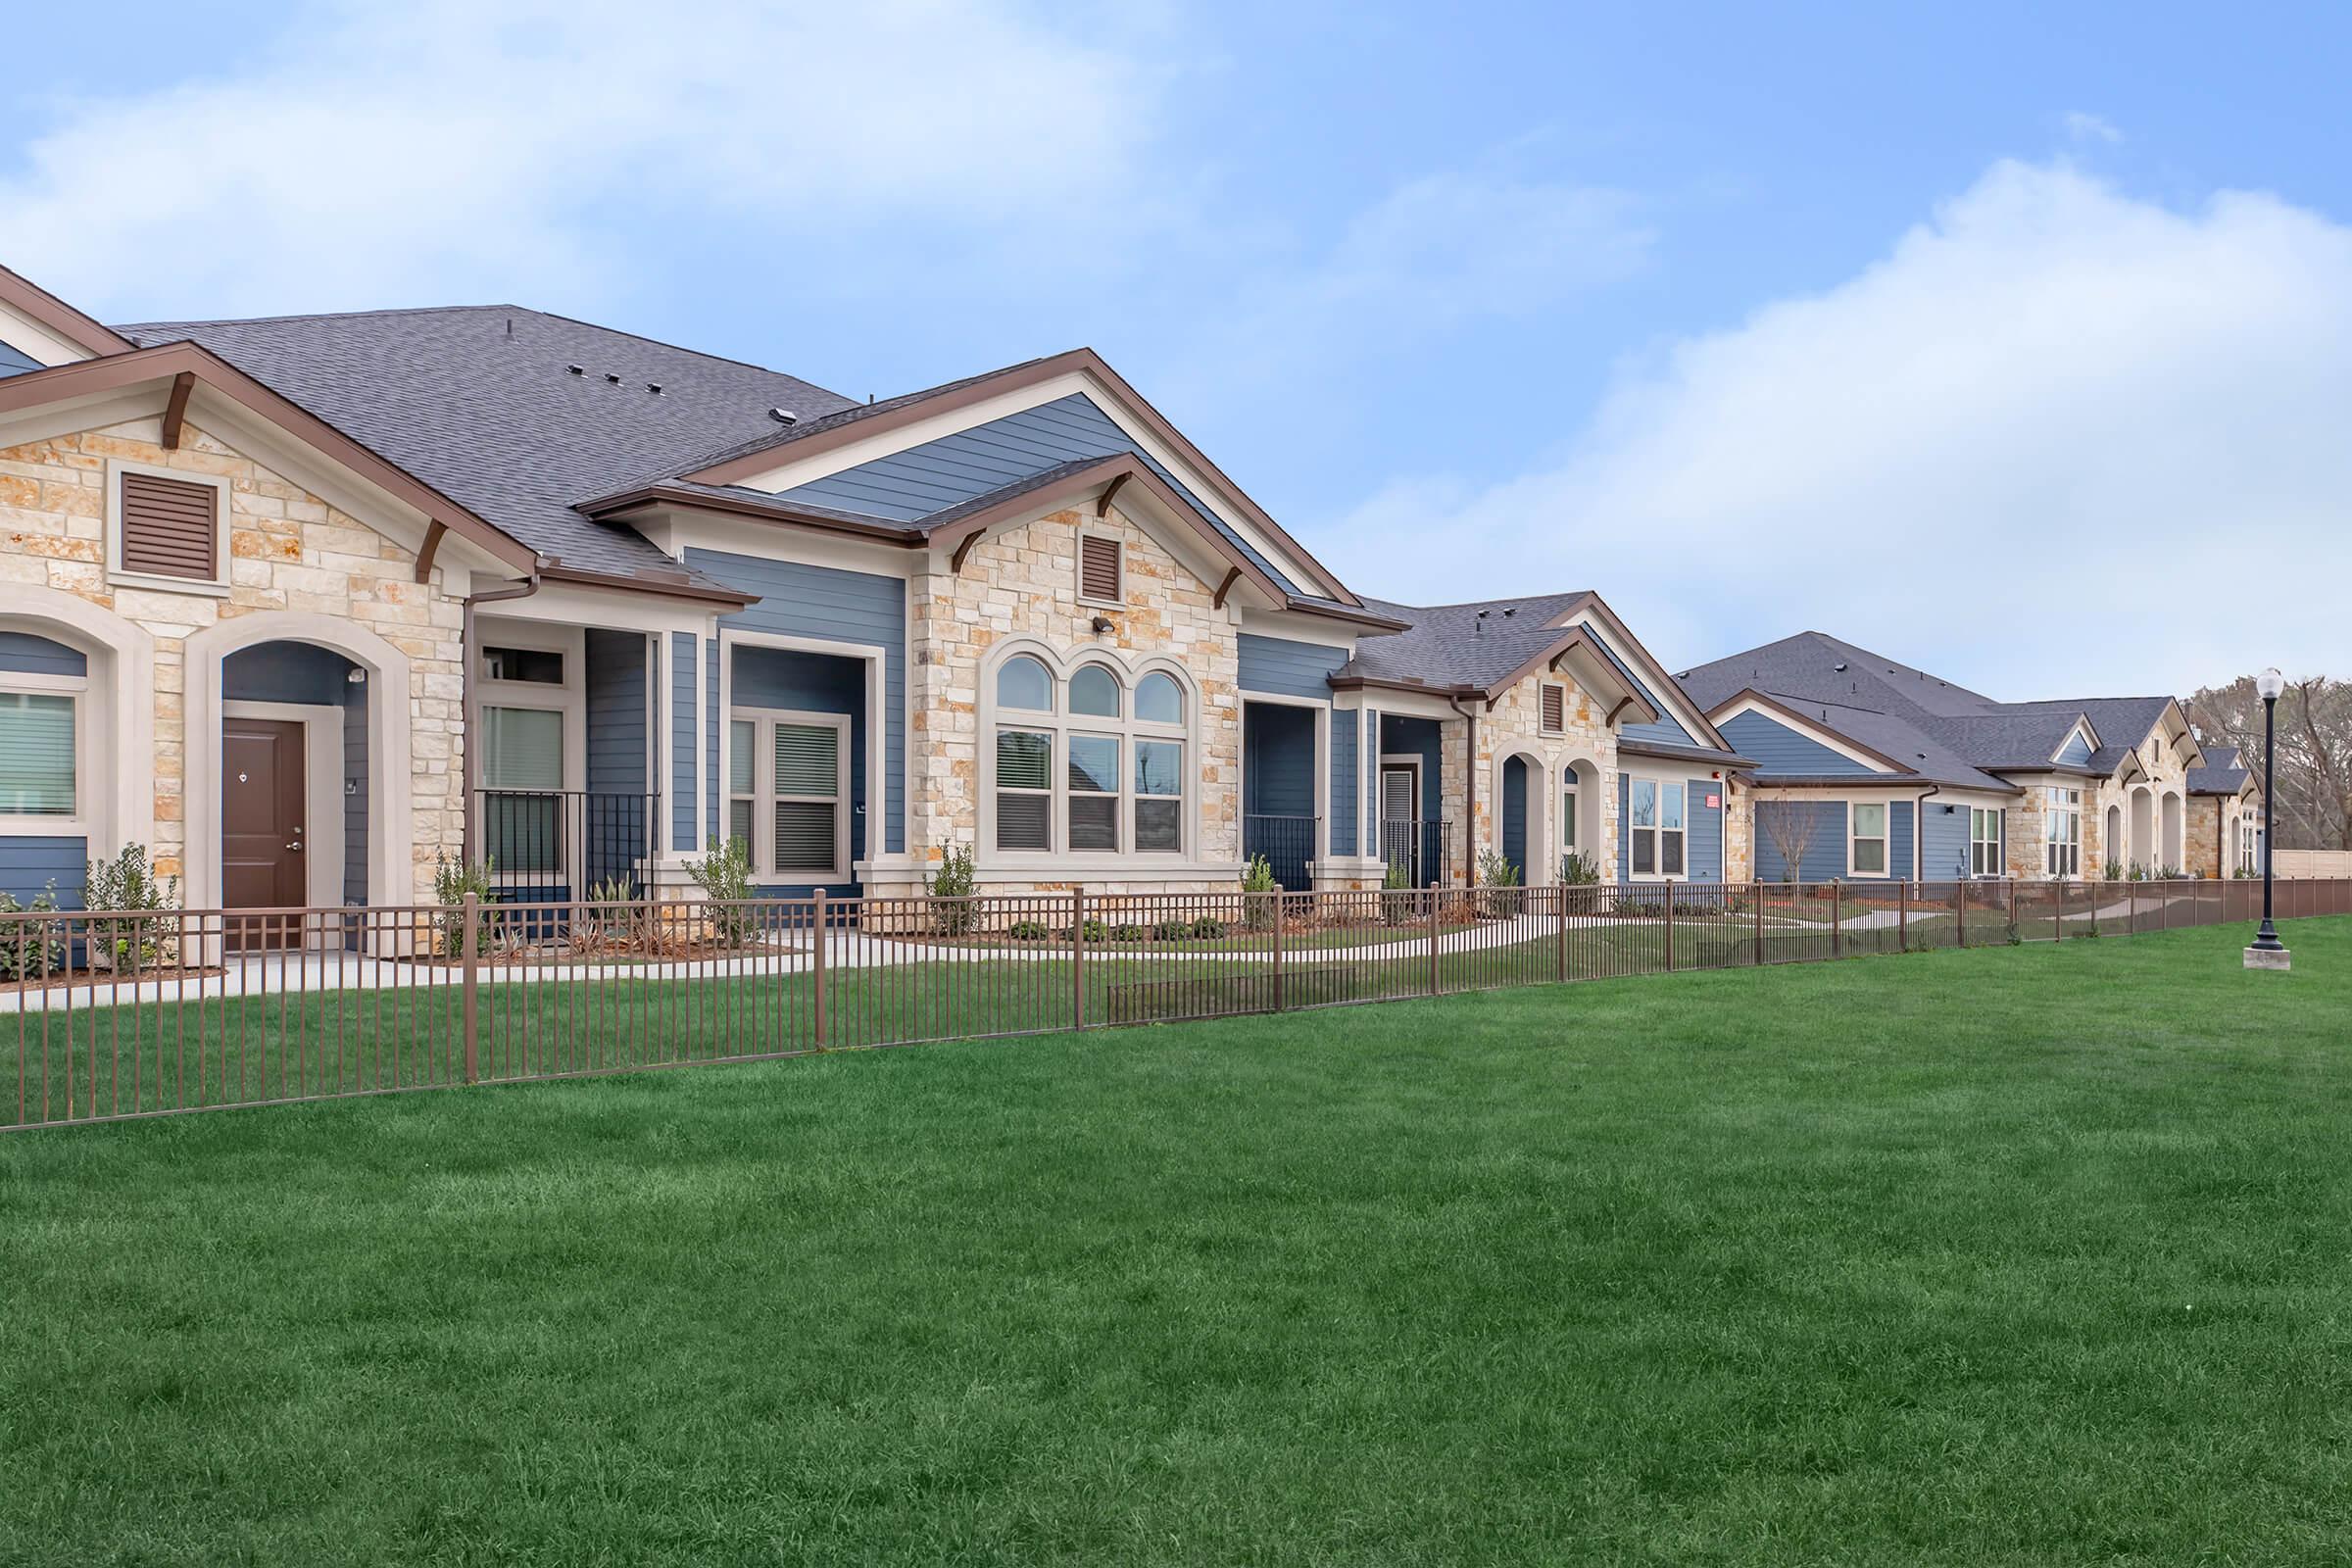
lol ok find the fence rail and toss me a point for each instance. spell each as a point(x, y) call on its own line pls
point(136, 1015)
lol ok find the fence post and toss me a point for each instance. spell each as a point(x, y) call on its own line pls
point(1078, 954)
point(2058, 920)
point(2130, 911)
point(816, 922)
point(1669, 891)
point(1902, 916)
point(1756, 892)
point(1432, 941)
point(2013, 927)
point(470, 950)
point(1836, 920)
point(1279, 900)
point(1960, 913)
point(1560, 921)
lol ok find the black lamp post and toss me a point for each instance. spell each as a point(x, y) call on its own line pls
point(2268, 952)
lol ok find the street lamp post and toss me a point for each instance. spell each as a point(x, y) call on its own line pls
point(2268, 952)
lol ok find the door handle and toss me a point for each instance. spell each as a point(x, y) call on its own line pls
point(296, 846)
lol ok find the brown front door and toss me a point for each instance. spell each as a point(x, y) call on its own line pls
point(262, 796)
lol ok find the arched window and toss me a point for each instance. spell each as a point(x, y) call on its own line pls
point(1568, 813)
point(1079, 769)
point(1024, 683)
point(1095, 692)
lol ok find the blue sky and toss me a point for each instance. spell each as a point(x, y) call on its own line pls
point(1991, 338)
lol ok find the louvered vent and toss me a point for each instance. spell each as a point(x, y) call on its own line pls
point(1554, 710)
point(1099, 568)
point(169, 529)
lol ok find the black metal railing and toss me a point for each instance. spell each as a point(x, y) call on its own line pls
point(1422, 845)
point(1289, 845)
point(566, 842)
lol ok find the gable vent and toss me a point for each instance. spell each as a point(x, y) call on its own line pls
point(1099, 568)
point(1556, 705)
point(168, 528)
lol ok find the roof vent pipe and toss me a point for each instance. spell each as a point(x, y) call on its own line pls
point(783, 415)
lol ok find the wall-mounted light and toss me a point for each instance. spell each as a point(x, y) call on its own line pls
point(356, 676)
point(1104, 626)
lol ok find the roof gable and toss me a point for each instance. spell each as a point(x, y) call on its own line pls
point(1784, 743)
point(40, 328)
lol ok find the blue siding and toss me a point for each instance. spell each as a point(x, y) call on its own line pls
point(1665, 732)
point(849, 606)
point(1824, 854)
point(617, 724)
point(29, 866)
point(15, 361)
point(1277, 759)
point(1281, 667)
point(355, 807)
point(684, 646)
point(1780, 749)
point(1402, 736)
point(1343, 780)
point(1625, 828)
point(811, 683)
point(1899, 839)
point(711, 719)
point(1702, 848)
point(2077, 753)
point(923, 479)
point(1944, 841)
point(23, 654)
point(287, 672)
point(1514, 815)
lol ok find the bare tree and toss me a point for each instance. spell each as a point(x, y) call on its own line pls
point(1790, 827)
point(2314, 807)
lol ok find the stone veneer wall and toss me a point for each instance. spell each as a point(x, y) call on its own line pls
point(1515, 724)
point(1023, 582)
point(1738, 831)
point(288, 550)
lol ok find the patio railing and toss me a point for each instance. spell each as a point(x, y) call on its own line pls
point(120, 1014)
point(1423, 848)
point(561, 844)
point(1289, 845)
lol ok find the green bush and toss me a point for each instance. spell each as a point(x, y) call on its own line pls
point(725, 877)
point(956, 877)
point(1207, 929)
point(452, 881)
point(1028, 931)
point(127, 883)
point(1257, 880)
point(1172, 930)
point(1498, 896)
point(1397, 896)
point(31, 950)
point(1127, 933)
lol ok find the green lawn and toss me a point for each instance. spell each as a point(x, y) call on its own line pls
point(2021, 1255)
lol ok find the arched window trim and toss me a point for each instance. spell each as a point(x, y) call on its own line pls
point(1061, 723)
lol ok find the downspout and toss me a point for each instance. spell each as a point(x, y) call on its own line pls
point(1919, 834)
point(470, 643)
point(1469, 791)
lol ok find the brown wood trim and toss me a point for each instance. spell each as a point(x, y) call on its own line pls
point(1647, 662)
point(175, 410)
point(1225, 587)
point(647, 583)
point(35, 388)
point(1102, 501)
point(433, 532)
point(786, 446)
point(1748, 694)
point(84, 332)
point(963, 548)
point(667, 495)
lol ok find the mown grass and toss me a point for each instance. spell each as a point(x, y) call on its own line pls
point(2027, 1255)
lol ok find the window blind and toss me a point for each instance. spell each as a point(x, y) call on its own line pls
point(36, 754)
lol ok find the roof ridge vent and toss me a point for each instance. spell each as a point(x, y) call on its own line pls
point(783, 415)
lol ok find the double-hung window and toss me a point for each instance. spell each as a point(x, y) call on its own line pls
point(522, 788)
point(1869, 853)
point(2062, 827)
point(1657, 828)
point(788, 793)
point(40, 773)
point(1088, 765)
point(1984, 841)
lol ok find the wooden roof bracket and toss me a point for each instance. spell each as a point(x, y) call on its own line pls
point(964, 548)
point(176, 411)
point(1102, 502)
point(1623, 703)
point(433, 532)
point(1226, 587)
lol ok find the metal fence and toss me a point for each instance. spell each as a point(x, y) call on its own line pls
point(155, 1013)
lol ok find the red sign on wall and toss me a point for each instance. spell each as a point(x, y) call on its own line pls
point(1714, 803)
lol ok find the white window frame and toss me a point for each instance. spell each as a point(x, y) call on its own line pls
point(1057, 721)
point(763, 721)
point(1657, 853)
point(213, 587)
point(76, 823)
point(1883, 838)
point(2062, 805)
point(1975, 815)
point(568, 698)
point(1117, 543)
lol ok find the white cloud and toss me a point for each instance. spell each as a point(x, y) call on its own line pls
point(2057, 441)
point(452, 148)
point(2089, 128)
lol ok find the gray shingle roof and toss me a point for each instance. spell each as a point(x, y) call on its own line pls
point(1460, 644)
point(2225, 772)
point(477, 402)
point(1949, 734)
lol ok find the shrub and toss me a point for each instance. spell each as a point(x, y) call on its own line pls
point(127, 883)
point(1207, 929)
point(2171, 873)
point(452, 881)
point(1172, 930)
point(1027, 931)
point(31, 950)
point(2115, 870)
point(1093, 931)
point(1499, 894)
point(725, 877)
point(613, 917)
point(1129, 932)
point(1397, 898)
point(956, 877)
point(1257, 878)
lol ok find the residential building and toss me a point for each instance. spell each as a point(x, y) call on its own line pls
point(1869, 767)
point(2226, 818)
point(313, 606)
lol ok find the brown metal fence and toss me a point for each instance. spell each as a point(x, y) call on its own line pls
point(144, 1014)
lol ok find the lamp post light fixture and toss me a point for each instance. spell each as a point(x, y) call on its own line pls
point(2268, 952)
